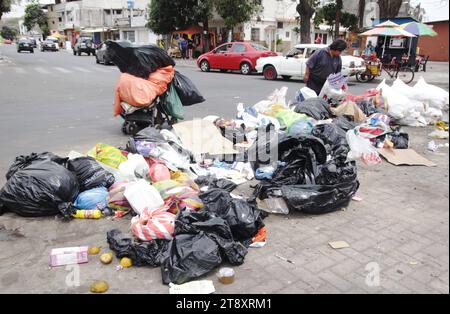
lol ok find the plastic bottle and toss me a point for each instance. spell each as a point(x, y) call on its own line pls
point(88, 214)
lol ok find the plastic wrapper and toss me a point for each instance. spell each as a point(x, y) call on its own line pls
point(108, 155)
point(172, 103)
point(90, 174)
point(141, 195)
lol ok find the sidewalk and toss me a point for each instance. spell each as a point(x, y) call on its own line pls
point(437, 73)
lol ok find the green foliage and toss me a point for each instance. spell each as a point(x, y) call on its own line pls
point(327, 15)
point(235, 12)
point(9, 33)
point(165, 18)
point(5, 7)
point(35, 15)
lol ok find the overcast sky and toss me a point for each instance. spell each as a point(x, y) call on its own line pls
point(436, 10)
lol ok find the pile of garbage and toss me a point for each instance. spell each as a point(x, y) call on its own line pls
point(179, 186)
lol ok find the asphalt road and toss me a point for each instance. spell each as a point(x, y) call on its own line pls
point(54, 101)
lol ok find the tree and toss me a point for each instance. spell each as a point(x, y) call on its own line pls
point(8, 33)
point(337, 24)
point(361, 11)
point(35, 15)
point(235, 12)
point(306, 9)
point(5, 7)
point(180, 14)
point(327, 15)
point(389, 8)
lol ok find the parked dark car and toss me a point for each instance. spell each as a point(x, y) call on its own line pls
point(84, 45)
point(101, 55)
point(25, 45)
point(49, 45)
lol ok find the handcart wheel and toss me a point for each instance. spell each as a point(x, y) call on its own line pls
point(132, 128)
point(124, 128)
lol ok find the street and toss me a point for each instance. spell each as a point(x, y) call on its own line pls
point(58, 102)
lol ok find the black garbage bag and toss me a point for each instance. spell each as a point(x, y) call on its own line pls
point(217, 229)
point(264, 149)
point(399, 139)
point(188, 257)
point(319, 199)
point(186, 90)
point(368, 107)
point(90, 174)
point(43, 188)
point(213, 183)
point(24, 161)
point(316, 108)
point(138, 61)
point(344, 123)
point(334, 138)
point(244, 219)
point(141, 253)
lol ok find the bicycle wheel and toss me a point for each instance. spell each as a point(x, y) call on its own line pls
point(364, 77)
point(405, 74)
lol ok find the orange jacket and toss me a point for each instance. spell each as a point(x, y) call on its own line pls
point(138, 92)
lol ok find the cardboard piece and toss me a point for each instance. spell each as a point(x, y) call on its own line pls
point(203, 137)
point(337, 245)
point(406, 157)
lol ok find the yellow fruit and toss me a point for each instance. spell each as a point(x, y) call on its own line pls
point(94, 250)
point(99, 287)
point(106, 258)
point(126, 262)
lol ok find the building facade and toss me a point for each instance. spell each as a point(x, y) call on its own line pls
point(436, 47)
point(101, 19)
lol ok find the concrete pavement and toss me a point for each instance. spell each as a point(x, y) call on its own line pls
point(398, 234)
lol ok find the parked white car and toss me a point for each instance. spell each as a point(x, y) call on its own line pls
point(294, 63)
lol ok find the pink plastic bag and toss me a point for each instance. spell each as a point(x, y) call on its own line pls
point(159, 172)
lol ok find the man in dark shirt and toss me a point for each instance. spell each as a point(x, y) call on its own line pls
point(322, 63)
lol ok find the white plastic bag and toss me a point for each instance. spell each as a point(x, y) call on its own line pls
point(308, 93)
point(134, 168)
point(142, 195)
point(432, 95)
point(334, 88)
point(362, 149)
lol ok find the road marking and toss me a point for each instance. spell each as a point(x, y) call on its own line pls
point(42, 70)
point(82, 69)
point(62, 70)
point(20, 71)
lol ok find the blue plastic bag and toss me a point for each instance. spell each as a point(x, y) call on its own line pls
point(92, 199)
point(301, 127)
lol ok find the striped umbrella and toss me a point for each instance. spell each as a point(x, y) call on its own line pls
point(387, 29)
point(418, 29)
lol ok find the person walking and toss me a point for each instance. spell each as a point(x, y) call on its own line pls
point(370, 49)
point(322, 63)
point(183, 47)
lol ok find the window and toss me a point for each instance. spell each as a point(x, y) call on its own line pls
point(129, 35)
point(224, 48)
point(60, 19)
point(288, 34)
point(280, 25)
point(397, 43)
point(256, 34)
point(259, 47)
point(239, 48)
point(296, 52)
point(310, 52)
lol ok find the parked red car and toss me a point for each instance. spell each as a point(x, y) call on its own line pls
point(240, 56)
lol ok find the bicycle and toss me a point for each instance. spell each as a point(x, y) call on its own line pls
point(395, 70)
